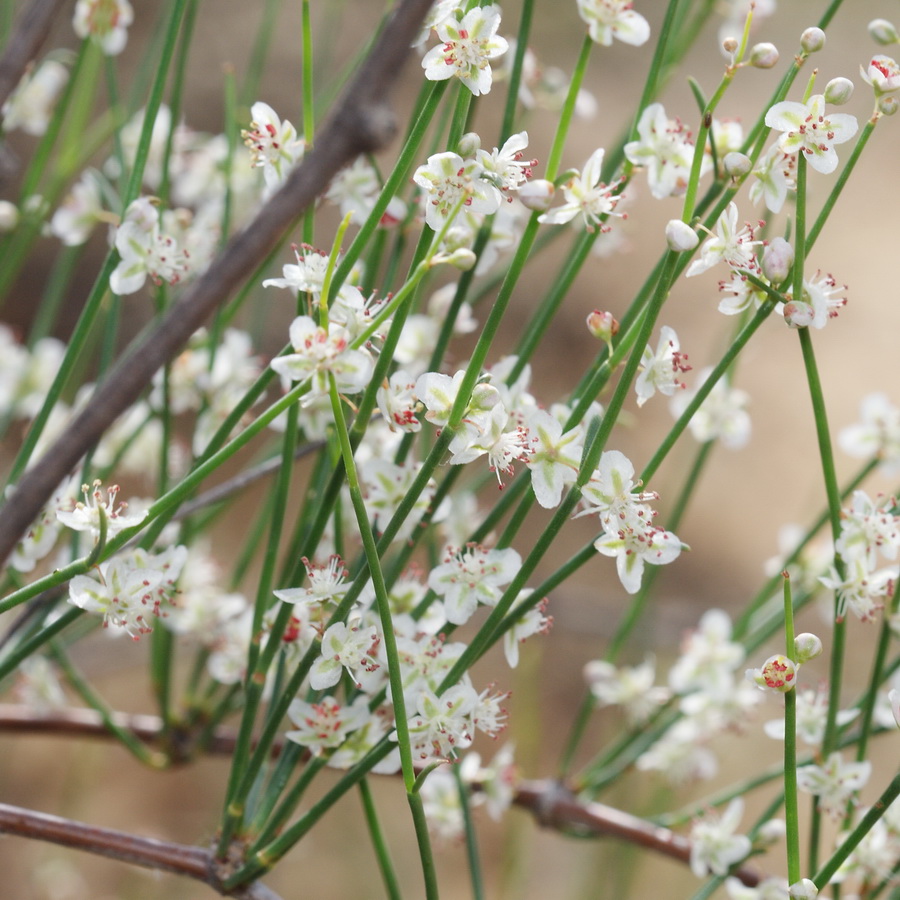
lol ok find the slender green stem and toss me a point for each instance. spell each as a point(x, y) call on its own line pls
point(429, 873)
point(382, 853)
point(791, 812)
point(866, 824)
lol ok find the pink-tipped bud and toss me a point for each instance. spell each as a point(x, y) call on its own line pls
point(883, 32)
point(838, 91)
point(680, 236)
point(778, 673)
point(537, 194)
point(603, 325)
point(798, 314)
point(806, 647)
point(737, 165)
point(763, 56)
point(777, 260)
point(812, 40)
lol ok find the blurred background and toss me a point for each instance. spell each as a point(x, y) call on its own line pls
point(732, 525)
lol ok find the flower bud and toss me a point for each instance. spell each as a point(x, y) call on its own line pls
point(777, 260)
point(680, 236)
point(778, 673)
point(537, 194)
point(798, 314)
point(812, 40)
point(763, 56)
point(803, 890)
point(737, 165)
point(461, 258)
point(730, 45)
point(883, 32)
point(887, 106)
point(838, 91)
point(602, 325)
point(807, 646)
point(468, 145)
point(9, 216)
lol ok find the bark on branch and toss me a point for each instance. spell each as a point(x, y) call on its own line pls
point(360, 123)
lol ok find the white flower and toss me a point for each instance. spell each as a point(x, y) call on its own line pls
point(665, 149)
point(442, 725)
point(105, 22)
point(327, 584)
point(496, 782)
point(73, 222)
point(471, 576)
point(608, 19)
point(708, 658)
point(862, 590)
point(397, 401)
point(86, 516)
point(145, 250)
point(660, 370)
point(812, 713)
point(774, 177)
point(325, 725)
point(883, 74)
point(447, 180)
point(834, 783)
point(636, 541)
point(586, 194)
point(30, 106)
point(629, 687)
point(349, 647)
point(878, 434)
point(506, 167)
point(715, 848)
point(319, 351)
point(273, 144)
point(730, 244)
point(554, 459)
point(532, 621)
point(124, 594)
point(767, 889)
point(721, 415)
point(807, 129)
point(467, 48)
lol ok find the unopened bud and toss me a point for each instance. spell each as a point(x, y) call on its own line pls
point(778, 673)
point(772, 830)
point(883, 32)
point(680, 236)
point(806, 647)
point(603, 325)
point(777, 260)
point(812, 40)
point(9, 216)
point(798, 314)
point(463, 258)
point(537, 194)
point(468, 145)
point(887, 106)
point(763, 56)
point(730, 45)
point(838, 91)
point(804, 889)
point(737, 165)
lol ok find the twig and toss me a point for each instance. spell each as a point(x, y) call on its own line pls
point(361, 123)
point(29, 33)
point(555, 806)
point(552, 804)
point(181, 859)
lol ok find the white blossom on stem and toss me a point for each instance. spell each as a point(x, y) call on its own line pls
point(467, 48)
point(715, 847)
point(835, 782)
point(586, 195)
point(608, 19)
point(660, 370)
point(806, 129)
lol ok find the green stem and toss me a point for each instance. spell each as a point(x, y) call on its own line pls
point(791, 812)
point(379, 844)
point(421, 824)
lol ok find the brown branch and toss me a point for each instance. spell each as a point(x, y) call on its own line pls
point(361, 123)
point(26, 38)
point(555, 806)
point(192, 862)
point(552, 804)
